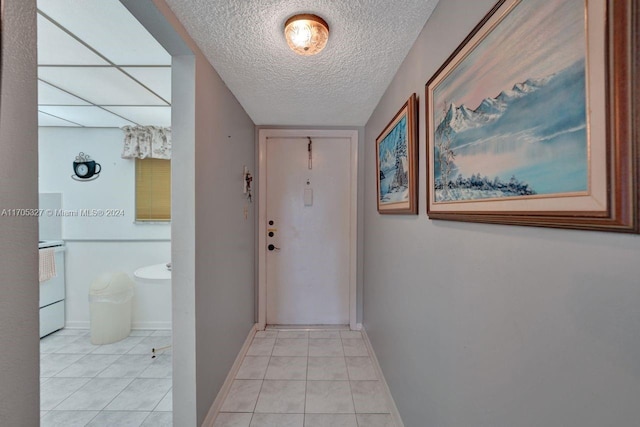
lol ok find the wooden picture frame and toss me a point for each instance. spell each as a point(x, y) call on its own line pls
point(524, 127)
point(397, 162)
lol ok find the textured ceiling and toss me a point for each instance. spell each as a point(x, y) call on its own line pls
point(341, 85)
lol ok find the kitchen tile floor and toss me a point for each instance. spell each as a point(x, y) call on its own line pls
point(110, 385)
point(301, 378)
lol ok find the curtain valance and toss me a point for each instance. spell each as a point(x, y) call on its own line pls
point(142, 142)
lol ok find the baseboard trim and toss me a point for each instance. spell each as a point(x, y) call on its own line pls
point(152, 325)
point(82, 324)
point(78, 324)
point(393, 409)
point(226, 386)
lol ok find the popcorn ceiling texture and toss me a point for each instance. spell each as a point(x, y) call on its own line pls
point(244, 41)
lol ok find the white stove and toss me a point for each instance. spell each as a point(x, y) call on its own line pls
point(52, 291)
point(50, 243)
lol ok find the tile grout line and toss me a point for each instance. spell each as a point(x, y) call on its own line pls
point(94, 417)
point(390, 402)
point(162, 398)
point(71, 394)
point(255, 405)
point(116, 396)
point(355, 412)
point(145, 418)
point(306, 380)
point(223, 393)
point(96, 376)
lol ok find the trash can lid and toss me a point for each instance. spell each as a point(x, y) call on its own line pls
point(111, 283)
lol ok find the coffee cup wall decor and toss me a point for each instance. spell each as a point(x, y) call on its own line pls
point(85, 169)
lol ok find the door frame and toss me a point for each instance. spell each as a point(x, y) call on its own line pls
point(263, 135)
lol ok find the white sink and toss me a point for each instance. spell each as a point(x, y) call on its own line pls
point(157, 273)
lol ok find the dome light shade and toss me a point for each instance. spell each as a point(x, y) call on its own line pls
point(306, 34)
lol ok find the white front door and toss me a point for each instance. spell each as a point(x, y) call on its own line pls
point(308, 220)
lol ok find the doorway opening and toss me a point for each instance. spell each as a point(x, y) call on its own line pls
point(100, 70)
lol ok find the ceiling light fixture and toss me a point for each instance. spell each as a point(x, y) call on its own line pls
point(306, 34)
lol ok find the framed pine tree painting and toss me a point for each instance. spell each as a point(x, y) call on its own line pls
point(397, 162)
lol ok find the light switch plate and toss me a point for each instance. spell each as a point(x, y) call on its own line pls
point(308, 196)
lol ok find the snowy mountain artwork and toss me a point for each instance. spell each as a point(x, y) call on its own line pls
point(530, 120)
point(510, 119)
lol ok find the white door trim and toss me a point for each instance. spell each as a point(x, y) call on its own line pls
point(263, 134)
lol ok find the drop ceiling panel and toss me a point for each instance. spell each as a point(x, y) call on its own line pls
point(101, 86)
point(49, 95)
point(87, 116)
point(109, 28)
point(145, 116)
point(157, 79)
point(48, 120)
point(57, 47)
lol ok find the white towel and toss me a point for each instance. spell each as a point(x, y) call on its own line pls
point(47, 264)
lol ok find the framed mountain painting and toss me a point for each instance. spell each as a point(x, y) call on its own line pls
point(397, 157)
point(530, 120)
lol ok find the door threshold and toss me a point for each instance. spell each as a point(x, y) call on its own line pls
point(308, 327)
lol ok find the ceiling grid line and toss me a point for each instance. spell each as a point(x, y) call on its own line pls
point(60, 118)
point(98, 56)
point(85, 44)
point(340, 86)
point(87, 101)
point(103, 66)
point(63, 90)
point(43, 104)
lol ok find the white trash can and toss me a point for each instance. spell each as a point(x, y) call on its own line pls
point(110, 303)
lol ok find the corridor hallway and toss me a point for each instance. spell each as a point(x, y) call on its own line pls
point(307, 378)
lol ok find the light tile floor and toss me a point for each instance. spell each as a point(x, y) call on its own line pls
point(295, 378)
point(110, 385)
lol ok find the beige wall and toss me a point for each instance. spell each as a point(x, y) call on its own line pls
point(487, 325)
point(212, 242)
point(19, 332)
point(225, 240)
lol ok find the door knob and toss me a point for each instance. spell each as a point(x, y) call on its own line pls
point(272, 247)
